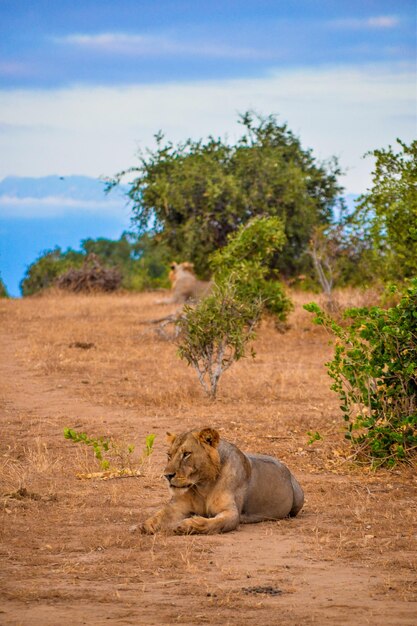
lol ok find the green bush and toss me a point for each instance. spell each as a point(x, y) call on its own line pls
point(43, 272)
point(375, 374)
point(246, 260)
point(149, 269)
point(385, 218)
point(215, 333)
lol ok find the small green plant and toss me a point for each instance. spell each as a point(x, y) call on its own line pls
point(111, 454)
point(313, 437)
point(375, 374)
point(100, 445)
point(149, 441)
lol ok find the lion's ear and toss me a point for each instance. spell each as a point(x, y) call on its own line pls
point(209, 436)
point(171, 438)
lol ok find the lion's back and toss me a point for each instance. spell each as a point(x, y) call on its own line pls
point(273, 492)
point(188, 287)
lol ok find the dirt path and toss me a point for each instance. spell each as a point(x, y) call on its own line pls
point(69, 554)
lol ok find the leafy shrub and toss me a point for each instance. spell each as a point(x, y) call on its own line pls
point(43, 272)
point(246, 260)
point(141, 262)
point(149, 269)
point(385, 218)
point(375, 374)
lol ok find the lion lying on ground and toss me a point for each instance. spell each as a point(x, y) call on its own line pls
point(215, 487)
point(185, 285)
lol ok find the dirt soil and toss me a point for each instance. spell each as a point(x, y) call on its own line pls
point(70, 550)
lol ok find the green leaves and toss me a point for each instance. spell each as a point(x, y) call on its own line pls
point(374, 370)
point(246, 259)
point(109, 453)
point(386, 216)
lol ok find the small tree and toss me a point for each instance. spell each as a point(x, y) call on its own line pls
point(329, 252)
point(375, 374)
point(319, 250)
point(215, 333)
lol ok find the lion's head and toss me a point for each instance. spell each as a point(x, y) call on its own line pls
point(178, 268)
point(193, 458)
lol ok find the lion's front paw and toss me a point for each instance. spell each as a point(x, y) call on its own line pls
point(192, 525)
point(150, 526)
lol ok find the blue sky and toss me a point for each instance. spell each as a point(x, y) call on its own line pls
point(58, 43)
point(84, 84)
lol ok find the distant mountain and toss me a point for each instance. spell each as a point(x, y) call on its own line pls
point(76, 187)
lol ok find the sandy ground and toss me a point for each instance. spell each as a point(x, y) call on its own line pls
point(70, 552)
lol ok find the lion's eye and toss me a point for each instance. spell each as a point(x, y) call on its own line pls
point(169, 456)
point(186, 455)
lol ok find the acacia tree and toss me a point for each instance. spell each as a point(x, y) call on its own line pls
point(196, 193)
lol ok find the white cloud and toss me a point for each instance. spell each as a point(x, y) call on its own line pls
point(342, 111)
point(15, 68)
point(13, 206)
point(149, 45)
point(383, 21)
point(376, 22)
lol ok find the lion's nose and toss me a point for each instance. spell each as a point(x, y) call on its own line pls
point(169, 477)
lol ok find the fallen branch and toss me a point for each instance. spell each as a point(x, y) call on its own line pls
point(110, 474)
point(168, 318)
